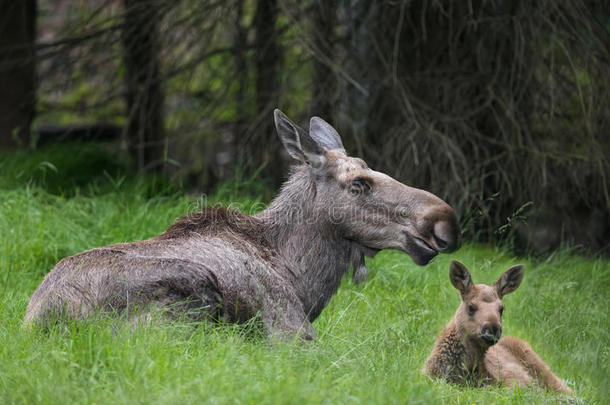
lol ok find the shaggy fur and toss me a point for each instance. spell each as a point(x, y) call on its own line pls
point(465, 353)
point(282, 265)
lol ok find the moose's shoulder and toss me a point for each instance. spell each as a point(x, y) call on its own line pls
point(217, 221)
point(213, 219)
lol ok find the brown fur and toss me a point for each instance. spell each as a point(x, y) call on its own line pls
point(463, 352)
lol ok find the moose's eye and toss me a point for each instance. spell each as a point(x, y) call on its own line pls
point(360, 186)
point(471, 310)
point(501, 310)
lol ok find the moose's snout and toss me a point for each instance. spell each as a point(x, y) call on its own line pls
point(491, 333)
point(446, 235)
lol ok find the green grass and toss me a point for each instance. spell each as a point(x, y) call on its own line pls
point(373, 339)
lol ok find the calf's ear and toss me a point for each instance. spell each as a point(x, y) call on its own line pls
point(510, 280)
point(460, 277)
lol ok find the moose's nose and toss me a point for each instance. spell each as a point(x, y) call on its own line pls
point(446, 235)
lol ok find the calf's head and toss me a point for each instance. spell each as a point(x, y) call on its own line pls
point(479, 316)
point(368, 207)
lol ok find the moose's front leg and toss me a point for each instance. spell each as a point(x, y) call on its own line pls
point(284, 319)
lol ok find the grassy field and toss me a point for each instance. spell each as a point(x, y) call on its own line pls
point(373, 339)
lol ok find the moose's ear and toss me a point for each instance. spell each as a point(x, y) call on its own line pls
point(289, 134)
point(510, 280)
point(460, 277)
point(297, 142)
point(324, 134)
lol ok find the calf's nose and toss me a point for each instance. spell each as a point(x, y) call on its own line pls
point(494, 330)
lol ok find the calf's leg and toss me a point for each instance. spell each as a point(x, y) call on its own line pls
point(534, 364)
point(505, 368)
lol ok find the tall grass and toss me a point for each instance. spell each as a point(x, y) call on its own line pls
point(373, 339)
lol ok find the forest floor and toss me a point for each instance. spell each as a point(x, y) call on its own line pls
point(372, 340)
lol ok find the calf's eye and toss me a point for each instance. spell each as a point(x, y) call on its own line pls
point(501, 311)
point(471, 309)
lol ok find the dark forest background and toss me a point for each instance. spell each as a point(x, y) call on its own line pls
point(502, 108)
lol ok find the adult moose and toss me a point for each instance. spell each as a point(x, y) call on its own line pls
point(283, 264)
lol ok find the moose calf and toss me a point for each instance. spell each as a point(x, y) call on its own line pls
point(466, 350)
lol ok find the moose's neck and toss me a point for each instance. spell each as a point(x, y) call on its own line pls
point(309, 246)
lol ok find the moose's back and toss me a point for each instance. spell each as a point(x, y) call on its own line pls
point(203, 262)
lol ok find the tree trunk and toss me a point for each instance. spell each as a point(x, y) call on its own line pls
point(240, 42)
point(324, 90)
point(264, 150)
point(145, 137)
point(356, 106)
point(17, 71)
